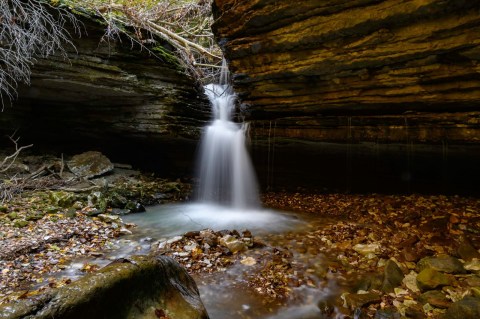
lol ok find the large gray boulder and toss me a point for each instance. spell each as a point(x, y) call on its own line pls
point(139, 288)
point(90, 164)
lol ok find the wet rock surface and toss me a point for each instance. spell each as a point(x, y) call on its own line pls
point(139, 287)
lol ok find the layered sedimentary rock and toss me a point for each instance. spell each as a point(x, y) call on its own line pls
point(376, 95)
point(364, 70)
point(109, 95)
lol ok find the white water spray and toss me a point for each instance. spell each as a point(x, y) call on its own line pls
point(226, 173)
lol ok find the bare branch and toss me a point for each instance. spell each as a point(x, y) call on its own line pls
point(10, 159)
point(185, 25)
point(29, 29)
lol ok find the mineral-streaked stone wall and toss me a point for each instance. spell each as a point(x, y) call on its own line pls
point(390, 69)
point(360, 95)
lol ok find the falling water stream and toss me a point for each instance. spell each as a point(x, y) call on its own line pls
point(226, 172)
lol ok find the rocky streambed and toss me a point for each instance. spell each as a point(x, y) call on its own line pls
point(338, 256)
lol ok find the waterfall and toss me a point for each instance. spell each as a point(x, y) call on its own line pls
point(226, 174)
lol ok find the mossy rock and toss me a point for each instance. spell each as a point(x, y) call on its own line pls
point(20, 223)
point(90, 164)
point(99, 201)
point(13, 215)
point(171, 187)
point(35, 216)
point(116, 200)
point(137, 288)
point(430, 278)
point(3, 209)
point(51, 210)
point(443, 263)
point(62, 199)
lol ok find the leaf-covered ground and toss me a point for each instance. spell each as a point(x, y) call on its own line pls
point(358, 234)
point(349, 239)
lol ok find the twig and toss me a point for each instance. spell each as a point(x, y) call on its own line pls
point(10, 159)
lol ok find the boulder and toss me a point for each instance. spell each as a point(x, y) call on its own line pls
point(90, 164)
point(140, 287)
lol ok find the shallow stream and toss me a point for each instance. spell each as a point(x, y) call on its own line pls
point(226, 294)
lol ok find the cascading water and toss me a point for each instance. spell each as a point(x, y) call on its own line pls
point(225, 172)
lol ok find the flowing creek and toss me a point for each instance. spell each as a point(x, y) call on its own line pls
point(226, 294)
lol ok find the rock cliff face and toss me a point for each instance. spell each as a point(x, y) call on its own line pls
point(366, 77)
point(112, 97)
point(373, 69)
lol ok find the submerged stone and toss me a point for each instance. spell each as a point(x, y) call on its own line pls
point(361, 300)
point(368, 282)
point(467, 308)
point(435, 298)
